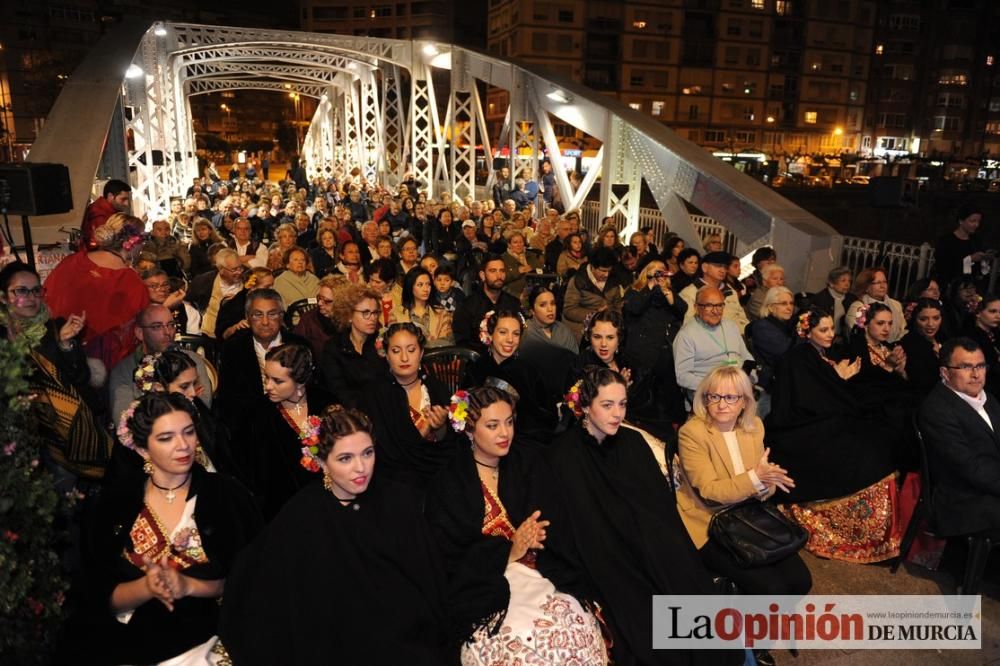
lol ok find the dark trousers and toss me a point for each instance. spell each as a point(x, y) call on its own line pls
point(789, 576)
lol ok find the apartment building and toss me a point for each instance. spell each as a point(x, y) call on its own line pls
point(777, 76)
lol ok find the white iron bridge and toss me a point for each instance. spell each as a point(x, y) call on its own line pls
point(125, 112)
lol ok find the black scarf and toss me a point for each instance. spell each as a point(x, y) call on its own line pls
point(478, 591)
point(402, 453)
point(631, 539)
point(325, 581)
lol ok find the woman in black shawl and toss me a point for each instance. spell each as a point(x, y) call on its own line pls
point(625, 523)
point(838, 449)
point(409, 410)
point(655, 402)
point(346, 573)
point(159, 547)
point(922, 343)
point(493, 511)
point(501, 333)
point(285, 421)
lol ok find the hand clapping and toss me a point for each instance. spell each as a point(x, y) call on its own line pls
point(847, 369)
point(436, 416)
point(529, 536)
point(165, 583)
point(772, 475)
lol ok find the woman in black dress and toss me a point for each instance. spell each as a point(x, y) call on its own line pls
point(837, 447)
point(625, 522)
point(501, 333)
point(922, 344)
point(515, 581)
point(409, 410)
point(350, 362)
point(283, 426)
point(346, 572)
point(160, 547)
point(984, 328)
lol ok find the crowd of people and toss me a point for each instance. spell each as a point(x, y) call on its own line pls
point(304, 490)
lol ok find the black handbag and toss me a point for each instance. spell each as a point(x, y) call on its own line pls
point(756, 533)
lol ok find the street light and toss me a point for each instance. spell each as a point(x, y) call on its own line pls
point(225, 107)
point(294, 96)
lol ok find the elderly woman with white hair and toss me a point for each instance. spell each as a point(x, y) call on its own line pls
point(771, 275)
point(770, 335)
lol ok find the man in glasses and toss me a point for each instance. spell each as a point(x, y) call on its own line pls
point(714, 267)
point(155, 329)
point(960, 424)
point(170, 293)
point(241, 367)
point(707, 340)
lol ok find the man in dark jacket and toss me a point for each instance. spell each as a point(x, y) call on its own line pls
point(502, 189)
point(490, 296)
point(959, 422)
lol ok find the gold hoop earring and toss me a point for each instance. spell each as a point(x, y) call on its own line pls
point(147, 467)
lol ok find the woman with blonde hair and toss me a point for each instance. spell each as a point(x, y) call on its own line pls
point(204, 236)
point(723, 462)
point(284, 240)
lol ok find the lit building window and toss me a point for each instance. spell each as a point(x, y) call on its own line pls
point(639, 25)
point(879, 48)
point(989, 61)
point(757, 4)
point(657, 108)
point(635, 105)
point(783, 7)
point(811, 117)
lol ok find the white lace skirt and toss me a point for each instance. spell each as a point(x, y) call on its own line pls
point(542, 626)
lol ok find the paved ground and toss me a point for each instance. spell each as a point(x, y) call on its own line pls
point(841, 578)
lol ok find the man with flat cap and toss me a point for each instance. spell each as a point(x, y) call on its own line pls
point(713, 274)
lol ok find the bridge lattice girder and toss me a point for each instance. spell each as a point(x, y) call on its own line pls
point(378, 111)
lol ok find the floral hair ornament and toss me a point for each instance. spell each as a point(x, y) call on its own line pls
point(123, 431)
point(381, 344)
point(309, 437)
point(862, 317)
point(458, 410)
point(802, 325)
point(250, 282)
point(572, 399)
point(145, 374)
point(587, 321)
point(484, 331)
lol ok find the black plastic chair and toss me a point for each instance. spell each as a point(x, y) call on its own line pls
point(202, 345)
point(979, 545)
point(450, 365)
point(297, 309)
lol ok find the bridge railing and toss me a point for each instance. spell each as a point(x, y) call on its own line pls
point(905, 263)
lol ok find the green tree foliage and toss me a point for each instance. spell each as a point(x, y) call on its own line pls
point(32, 585)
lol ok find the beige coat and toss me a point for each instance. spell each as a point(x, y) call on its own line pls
point(440, 333)
point(708, 481)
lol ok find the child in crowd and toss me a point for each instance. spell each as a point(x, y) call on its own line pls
point(447, 294)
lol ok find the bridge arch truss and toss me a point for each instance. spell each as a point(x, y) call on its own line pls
point(378, 110)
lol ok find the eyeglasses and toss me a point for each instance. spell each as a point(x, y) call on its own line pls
point(324, 301)
point(160, 327)
point(233, 270)
point(714, 398)
point(967, 367)
point(368, 314)
point(659, 275)
point(25, 292)
point(271, 314)
point(158, 286)
point(711, 306)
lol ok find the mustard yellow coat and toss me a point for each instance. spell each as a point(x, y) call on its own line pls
point(708, 480)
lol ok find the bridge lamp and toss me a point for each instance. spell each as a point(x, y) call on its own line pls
point(430, 50)
point(557, 95)
point(160, 31)
point(133, 72)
